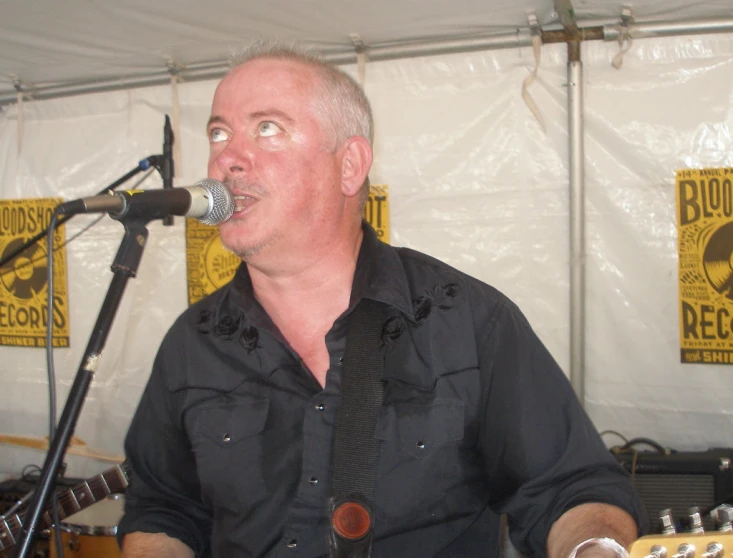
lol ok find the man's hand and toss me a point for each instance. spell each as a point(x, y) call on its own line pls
point(586, 522)
point(154, 545)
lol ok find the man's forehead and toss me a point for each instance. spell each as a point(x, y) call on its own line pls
point(263, 85)
point(284, 71)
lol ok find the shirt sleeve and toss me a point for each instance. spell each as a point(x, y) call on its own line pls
point(542, 453)
point(164, 495)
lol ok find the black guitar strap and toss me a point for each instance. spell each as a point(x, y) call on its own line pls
point(355, 447)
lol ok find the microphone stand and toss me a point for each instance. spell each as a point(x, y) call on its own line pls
point(124, 267)
point(145, 164)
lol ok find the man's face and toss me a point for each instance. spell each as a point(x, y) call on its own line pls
point(268, 145)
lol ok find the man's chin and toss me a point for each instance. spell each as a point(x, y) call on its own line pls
point(246, 243)
point(240, 250)
point(244, 250)
point(246, 254)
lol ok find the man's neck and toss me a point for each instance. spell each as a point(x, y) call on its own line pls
point(323, 269)
point(305, 302)
point(314, 280)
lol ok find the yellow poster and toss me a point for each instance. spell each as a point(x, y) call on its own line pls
point(24, 278)
point(210, 266)
point(376, 211)
point(705, 247)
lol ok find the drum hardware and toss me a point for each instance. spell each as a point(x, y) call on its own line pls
point(91, 533)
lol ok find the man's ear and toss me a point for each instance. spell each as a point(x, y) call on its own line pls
point(356, 160)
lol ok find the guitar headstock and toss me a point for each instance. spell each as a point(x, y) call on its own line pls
point(695, 544)
point(713, 544)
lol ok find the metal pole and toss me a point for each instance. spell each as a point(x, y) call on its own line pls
point(521, 37)
point(517, 38)
point(672, 29)
point(576, 172)
point(124, 267)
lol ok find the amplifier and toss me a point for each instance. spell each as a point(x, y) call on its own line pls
point(679, 481)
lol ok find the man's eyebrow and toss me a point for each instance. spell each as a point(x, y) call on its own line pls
point(269, 113)
point(214, 120)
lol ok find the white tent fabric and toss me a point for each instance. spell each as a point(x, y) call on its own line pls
point(49, 43)
point(473, 181)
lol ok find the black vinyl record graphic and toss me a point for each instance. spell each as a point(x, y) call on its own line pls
point(24, 276)
point(718, 260)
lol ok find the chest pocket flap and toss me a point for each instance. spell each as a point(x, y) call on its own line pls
point(420, 428)
point(228, 423)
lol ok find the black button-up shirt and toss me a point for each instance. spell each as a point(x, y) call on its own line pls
point(230, 447)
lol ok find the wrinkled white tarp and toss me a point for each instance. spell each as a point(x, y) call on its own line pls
point(472, 181)
point(46, 42)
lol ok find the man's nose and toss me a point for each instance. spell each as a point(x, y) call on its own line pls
point(236, 157)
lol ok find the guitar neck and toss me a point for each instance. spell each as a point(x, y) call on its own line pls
point(83, 495)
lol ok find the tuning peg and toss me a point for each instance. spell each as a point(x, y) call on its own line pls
point(685, 550)
point(713, 550)
point(695, 520)
point(723, 516)
point(657, 551)
point(665, 516)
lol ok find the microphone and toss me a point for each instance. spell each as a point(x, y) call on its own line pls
point(166, 164)
point(209, 201)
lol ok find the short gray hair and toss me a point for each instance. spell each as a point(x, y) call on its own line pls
point(339, 98)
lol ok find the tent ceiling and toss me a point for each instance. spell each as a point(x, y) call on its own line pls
point(47, 42)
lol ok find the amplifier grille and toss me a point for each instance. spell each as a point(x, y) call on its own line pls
point(679, 481)
point(676, 491)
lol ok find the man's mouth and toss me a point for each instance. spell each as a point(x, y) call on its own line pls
point(242, 202)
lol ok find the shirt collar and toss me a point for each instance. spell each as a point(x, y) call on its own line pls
point(379, 276)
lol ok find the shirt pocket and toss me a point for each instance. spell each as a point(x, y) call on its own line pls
point(227, 424)
point(419, 457)
point(226, 437)
point(419, 429)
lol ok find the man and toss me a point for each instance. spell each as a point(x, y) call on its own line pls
point(231, 444)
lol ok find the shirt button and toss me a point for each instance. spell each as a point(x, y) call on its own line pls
point(292, 543)
point(421, 445)
point(313, 480)
point(226, 438)
point(341, 361)
point(320, 407)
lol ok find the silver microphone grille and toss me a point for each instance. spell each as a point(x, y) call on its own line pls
point(221, 206)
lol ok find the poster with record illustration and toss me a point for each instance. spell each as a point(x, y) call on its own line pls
point(705, 249)
point(24, 277)
point(210, 266)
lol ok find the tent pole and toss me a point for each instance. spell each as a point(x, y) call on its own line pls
point(671, 29)
point(518, 38)
point(576, 172)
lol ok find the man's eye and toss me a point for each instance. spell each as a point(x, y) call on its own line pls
point(217, 135)
point(267, 129)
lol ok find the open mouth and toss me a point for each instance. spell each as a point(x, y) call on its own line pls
point(242, 202)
